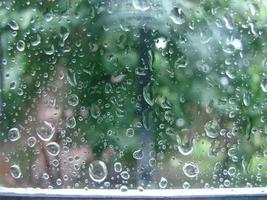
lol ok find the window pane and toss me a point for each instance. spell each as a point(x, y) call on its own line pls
point(133, 94)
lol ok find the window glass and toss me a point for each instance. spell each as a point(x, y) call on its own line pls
point(159, 94)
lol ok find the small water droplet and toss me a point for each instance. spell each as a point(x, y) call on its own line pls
point(212, 129)
point(53, 148)
point(13, 25)
point(15, 171)
point(125, 175)
point(14, 134)
point(73, 100)
point(191, 170)
point(31, 141)
point(71, 122)
point(163, 183)
point(36, 40)
point(138, 154)
point(117, 167)
point(130, 132)
point(21, 45)
point(264, 84)
point(177, 16)
point(98, 171)
point(123, 188)
point(95, 111)
point(141, 5)
point(12, 85)
point(148, 94)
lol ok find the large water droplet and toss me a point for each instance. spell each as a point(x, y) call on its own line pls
point(14, 134)
point(53, 148)
point(148, 94)
point(15, 171)
point(46, 131)
point(177, 16)
point(191, 170)
point(73, 100)
point(20, 45)
point(98, 171)
point(138, 154)
point(212, 129)
point(163, 183)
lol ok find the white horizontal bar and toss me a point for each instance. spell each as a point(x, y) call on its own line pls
point(149, 193)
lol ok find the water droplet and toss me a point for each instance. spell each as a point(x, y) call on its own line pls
point(163, 183)
point(98, 171)
point(141, 5)
point(14, 134)
point(95, 111)
point(49, 50)
point(71, 122)
point(36, 40)
point(31, 141)
point(130, 132)
point(148, 94)
point(117, 79)
point(123, 188)
point(264, 84)
point(138, 154)
point(191, 170)
point(247, 98)
point(177, 16)
point(59, 181)
point(13, 25)
point(73, 100)
point(12, 85)
point(15, 171)
point(53, 148)
point(125, 175)
point(117, 167)
point(20, 45)
point(46, 131)
point(212, 129)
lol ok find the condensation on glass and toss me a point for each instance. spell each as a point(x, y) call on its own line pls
point(139, 94)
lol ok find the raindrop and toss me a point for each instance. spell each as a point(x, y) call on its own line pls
point(117, 167)
point(247, 98)
point(12, 85)
point(125, 175)
point(53, 148)
point(212, 129)
point(95, 111)
point(15, 171)
point(36, 40)
point(264, 84)
point(13, 25)
point(130, 132)
point(138, 154)
point(123, 188)
point(163, 183)
point(14, 134)
point(31, 141)
point(177, 16)
point(59, 181)
point(147, 93)
point(98, 171)
point(191, 170)
point(46, 131)
point(141, 5)
point(71, 122)
point(73, 100)
point(20, 45)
